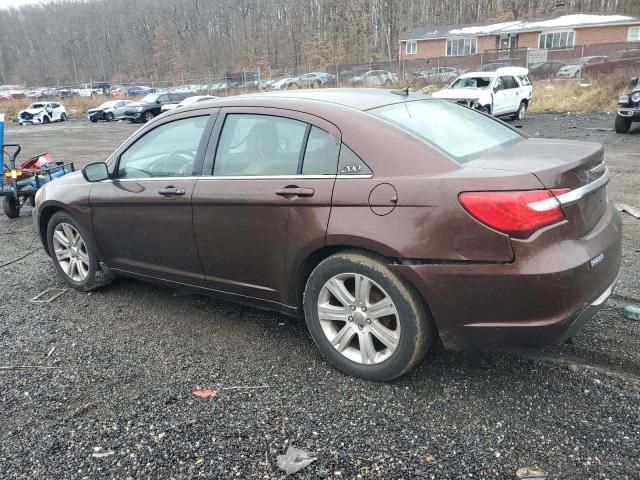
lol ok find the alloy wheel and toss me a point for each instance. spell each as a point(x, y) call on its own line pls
point(71, 252)
point(359, 318)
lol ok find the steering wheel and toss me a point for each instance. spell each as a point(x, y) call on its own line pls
point(177, 163)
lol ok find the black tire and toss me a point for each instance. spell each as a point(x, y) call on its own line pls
point(95, 278)
point(623, 124)
point(32, 200)
point(110, 117)
point(63, 117)
point(11, 207)
point(388, 82)
point(148, 116)
point(522, 108)
point(93, 119)
point(416, 331)
point(45, 119)
point(485, 109)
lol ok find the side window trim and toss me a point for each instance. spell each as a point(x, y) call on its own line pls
point(198, 161)
point(303, 150)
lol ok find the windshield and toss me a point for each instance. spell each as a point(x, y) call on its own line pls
point(472, 82)
point(440, 123)
point(36, 105)
point(150, 98)
point(107, 105)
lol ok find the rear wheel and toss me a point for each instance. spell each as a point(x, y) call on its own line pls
point(364, 318)
point(623, 124)
point(11, 207)
point(521, 111)
point(72, 254)
point(63, 117)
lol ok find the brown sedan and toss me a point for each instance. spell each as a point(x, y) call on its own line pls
point(386, 220)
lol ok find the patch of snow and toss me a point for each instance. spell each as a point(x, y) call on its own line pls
point(483, 29)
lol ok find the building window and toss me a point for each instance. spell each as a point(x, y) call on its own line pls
point(412, 48)
point(462, 46)
point(634, 34)
point(556, 40)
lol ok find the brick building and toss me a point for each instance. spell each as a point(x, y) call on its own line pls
point(555, 33)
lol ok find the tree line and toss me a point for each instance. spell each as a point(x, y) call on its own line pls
point(126, 40)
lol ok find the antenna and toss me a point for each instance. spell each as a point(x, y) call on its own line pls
point(405, 91)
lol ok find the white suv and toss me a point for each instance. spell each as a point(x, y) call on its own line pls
point(41, 112)
point(507, 91)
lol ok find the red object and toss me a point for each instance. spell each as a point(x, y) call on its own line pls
point(32, 165)
point(517, 214)
point(204, 393)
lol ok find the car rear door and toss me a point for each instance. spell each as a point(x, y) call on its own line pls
point(265, 204)
point(142, 216)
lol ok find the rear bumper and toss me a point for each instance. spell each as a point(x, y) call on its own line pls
point(544, 296)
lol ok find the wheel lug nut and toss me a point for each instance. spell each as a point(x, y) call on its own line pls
point(369, 321)
point(364, 309)
point(353, 307)
point(351, 319)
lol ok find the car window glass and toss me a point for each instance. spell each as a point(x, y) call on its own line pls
point(350, 163)
point(499, 84)
point(257, 145)
point(166, 151)
point(508, 83)
point(321, 154)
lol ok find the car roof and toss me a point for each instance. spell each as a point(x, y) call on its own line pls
point(500, 71)
point(355, 98)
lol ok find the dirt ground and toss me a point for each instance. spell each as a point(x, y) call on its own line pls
point(119, 404)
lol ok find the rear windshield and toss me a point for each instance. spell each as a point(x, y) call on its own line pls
point(459, 131)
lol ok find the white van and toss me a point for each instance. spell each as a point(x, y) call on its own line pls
point(507, 91)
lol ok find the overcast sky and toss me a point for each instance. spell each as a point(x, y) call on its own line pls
point(19, 3)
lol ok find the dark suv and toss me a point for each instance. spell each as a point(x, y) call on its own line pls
point(151, 105)
point(628, 108)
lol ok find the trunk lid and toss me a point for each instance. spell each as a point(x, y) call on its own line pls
point(560, 164)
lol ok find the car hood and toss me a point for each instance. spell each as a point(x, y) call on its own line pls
point(466, 93)
point(93, 110)
point(33, 111)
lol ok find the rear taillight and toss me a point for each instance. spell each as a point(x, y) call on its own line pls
point(517, 214)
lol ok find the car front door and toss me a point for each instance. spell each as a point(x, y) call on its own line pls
point(142, 216)
point(266, 203)
point(119, 109)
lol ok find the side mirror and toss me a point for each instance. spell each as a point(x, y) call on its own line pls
point(634, 81)
point(95, 172)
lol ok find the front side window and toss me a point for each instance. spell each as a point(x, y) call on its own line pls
point(462, 46)
point(634, 34)
point(256, 145)
point(166, 151)
point(439, 123)
point(552, 40)
point(412, 48)
point(509, 83)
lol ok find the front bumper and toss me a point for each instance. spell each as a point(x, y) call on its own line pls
point(133, 116)
point(630, 112)
point(544, 296)
point(30, 121)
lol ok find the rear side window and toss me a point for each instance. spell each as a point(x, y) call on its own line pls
point(509, 83)
point(524, 80)
point(460, 132)
point(351, 164)
point(321, 154)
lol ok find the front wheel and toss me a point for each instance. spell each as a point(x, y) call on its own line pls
point(364, 318)
point(148, 116)
point(11, 207)
point(45, 119)
point(623, 124)
point(73, 257)
point(110, 117)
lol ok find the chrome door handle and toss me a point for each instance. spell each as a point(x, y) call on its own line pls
point(293, 191)
point(171, 191)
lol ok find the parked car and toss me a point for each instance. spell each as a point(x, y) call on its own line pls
point(545, 69)
point(118, 92)
point(438, 74)
point(94, 88)
point(108, 111)
point(151, 106)
point(282, 84)
point(42, 112)
point(624, 59)
point(139, 91)
point(628, 108)
point(507, 91)
point(469, 238)
point(574, 69)
point(186, 102)
point(313, 80)
point(492, 67)
point(375, 78)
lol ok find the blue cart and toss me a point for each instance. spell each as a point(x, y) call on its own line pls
point(19, 184)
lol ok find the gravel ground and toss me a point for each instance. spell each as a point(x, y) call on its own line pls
point(119, 401)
